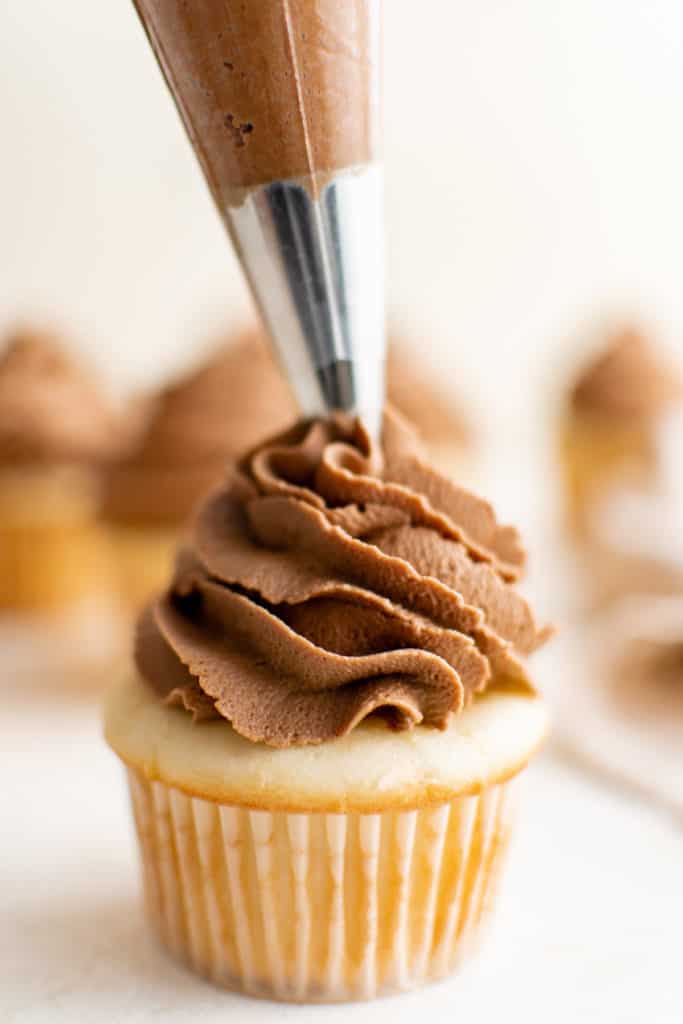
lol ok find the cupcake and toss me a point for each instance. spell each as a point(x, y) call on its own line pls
point(607, 437)
point(56, 433)
point(205, 419)
point(329, 709)
point(194, 427)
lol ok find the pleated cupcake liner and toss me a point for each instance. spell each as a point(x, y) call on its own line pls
point(319, 907)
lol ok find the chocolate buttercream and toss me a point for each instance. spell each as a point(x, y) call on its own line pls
point(52, 410)
point(628, 381)
point(643, 660)
point(330, 579)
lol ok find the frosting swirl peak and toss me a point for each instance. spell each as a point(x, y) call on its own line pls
point(332, 578)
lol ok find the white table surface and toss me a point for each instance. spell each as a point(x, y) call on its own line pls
point(588, 929)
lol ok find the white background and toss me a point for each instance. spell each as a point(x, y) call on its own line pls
point(534, 159)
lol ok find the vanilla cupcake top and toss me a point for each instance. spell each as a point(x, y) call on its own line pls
point(332, 578)
point(628, 381)
point(52, 411)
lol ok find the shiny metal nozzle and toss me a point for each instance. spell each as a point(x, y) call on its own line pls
point(314, 261)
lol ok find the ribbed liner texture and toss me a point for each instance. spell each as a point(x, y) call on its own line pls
point(318, 907)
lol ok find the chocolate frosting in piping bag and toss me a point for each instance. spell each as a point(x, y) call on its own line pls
point(331, 578)
point(313, 112)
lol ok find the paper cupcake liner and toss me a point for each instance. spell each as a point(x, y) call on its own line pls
point(49, 567)
point(318, 907)
point(52, 551)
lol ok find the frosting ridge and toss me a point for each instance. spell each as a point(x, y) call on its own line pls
point(331, 578)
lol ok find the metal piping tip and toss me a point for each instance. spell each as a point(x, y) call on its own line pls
point(281, 104)
point(315, 265)
point(338, 384)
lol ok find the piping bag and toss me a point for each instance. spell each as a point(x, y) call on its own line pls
point(280, 100)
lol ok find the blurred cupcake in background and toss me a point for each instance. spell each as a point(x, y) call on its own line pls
point(204, 419)
point(620, 706)
point(608, 430)
point(194, 427)
point(57, 431)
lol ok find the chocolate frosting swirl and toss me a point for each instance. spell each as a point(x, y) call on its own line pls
point(331, 579)
point(52, 411)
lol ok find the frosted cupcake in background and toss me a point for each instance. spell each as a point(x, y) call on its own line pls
point(195, 425)
point(329, 707)
point(608, 430)
point(619, 692)
point(57, 432)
